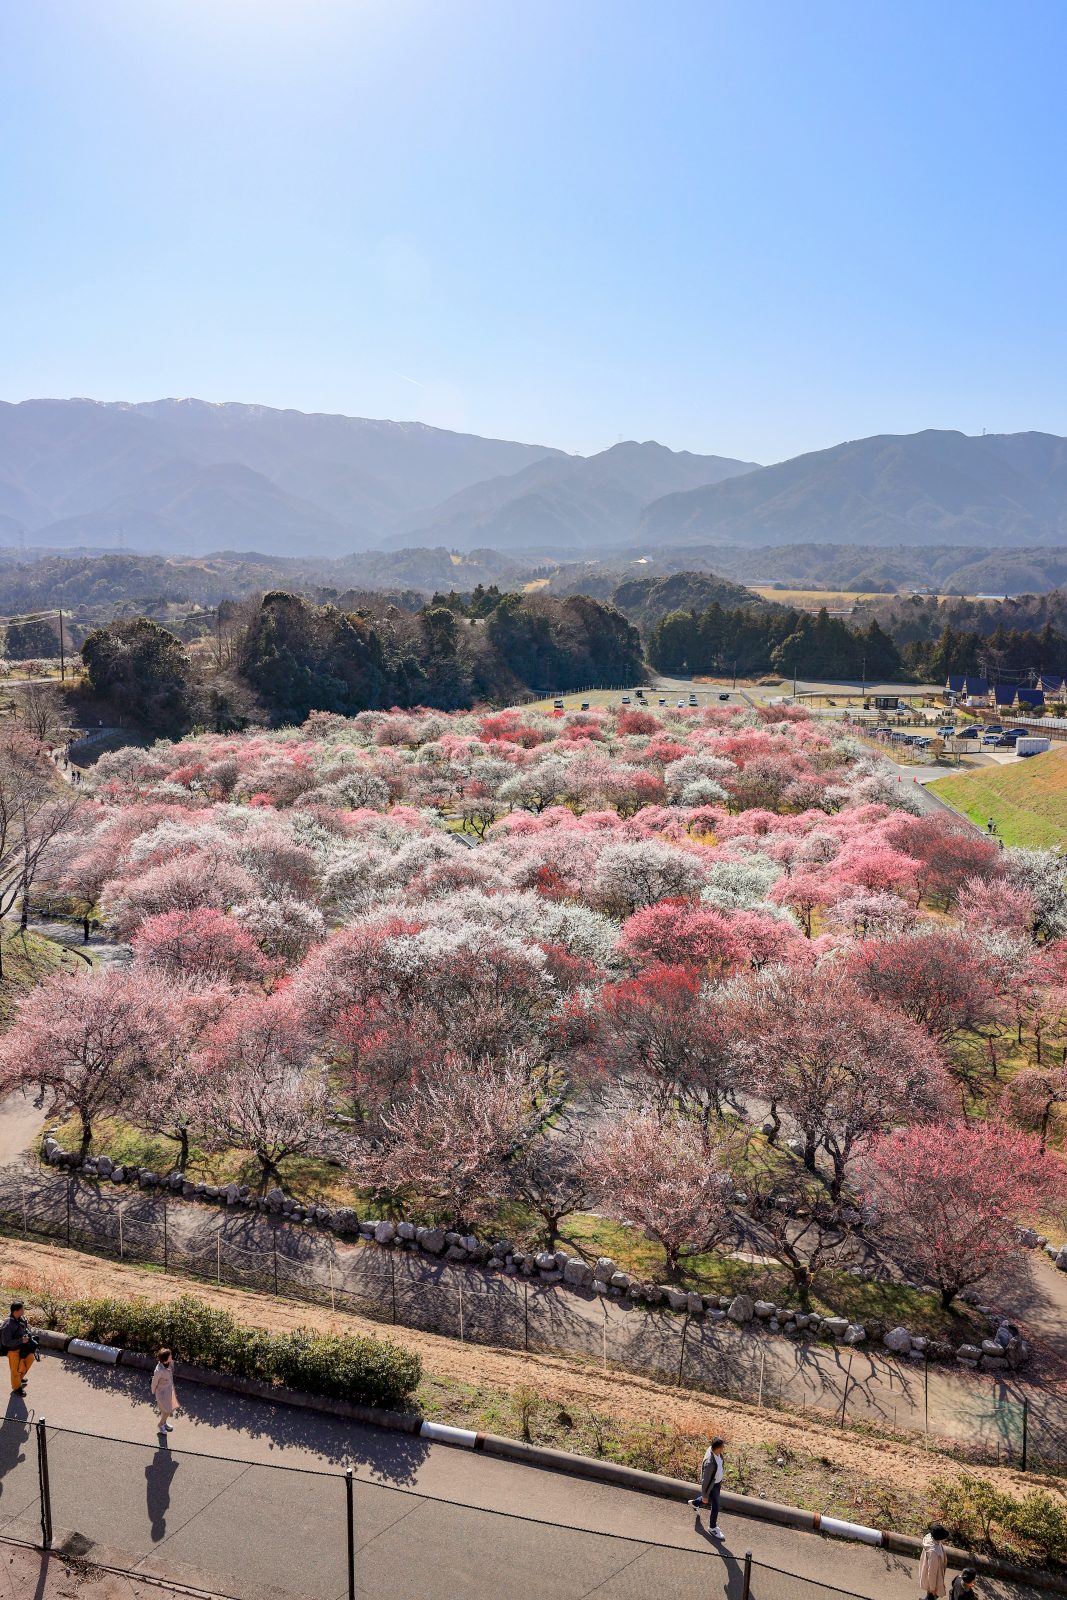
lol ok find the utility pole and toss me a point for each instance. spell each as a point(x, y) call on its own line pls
point(62, 653)
point(863, 674)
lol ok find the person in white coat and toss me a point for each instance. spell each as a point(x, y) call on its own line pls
point(163, 1390)
point(712, 1470)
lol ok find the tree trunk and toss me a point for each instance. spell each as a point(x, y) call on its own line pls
point(947, 1297)
point(183, 1149)
point(809, 1152)
point(85, 926)
point(87, 1134)
point(776, 1124)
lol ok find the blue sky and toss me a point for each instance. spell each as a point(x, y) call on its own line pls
point(750, 229)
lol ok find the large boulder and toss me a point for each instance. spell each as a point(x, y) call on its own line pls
point(677, 1299)
point(405, 1230)
point(898, 1340)
point(275, 1200)
point(855, 1333)
point(345, 1220)
point(431, 1240)
point(968, 1352)
point(104, 1166)
point(603, 1270)
point(546, 1261)
point(579, 1274)
point(741, 1309)
point(764, 1309)
point(385, 1232)
point(836, 1327)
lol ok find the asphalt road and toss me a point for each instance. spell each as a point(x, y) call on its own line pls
point(431, 1521)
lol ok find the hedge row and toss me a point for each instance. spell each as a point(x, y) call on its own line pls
point(342, 1366)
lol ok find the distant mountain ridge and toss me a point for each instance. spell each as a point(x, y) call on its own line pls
point(186, 476)
point(997, 490)
point(570, 502)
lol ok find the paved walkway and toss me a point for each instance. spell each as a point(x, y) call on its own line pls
point(431, 1521)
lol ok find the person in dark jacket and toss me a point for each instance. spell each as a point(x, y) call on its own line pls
point(712, 1470)
point(963, 1585)
point(19, 1345)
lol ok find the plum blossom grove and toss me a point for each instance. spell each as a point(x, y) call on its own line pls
point(696, 970)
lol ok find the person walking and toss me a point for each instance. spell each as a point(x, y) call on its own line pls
point(963, 1585)
point(163, 1390)
point(933, 1564)
point(712, 1471)
point(20, 1345)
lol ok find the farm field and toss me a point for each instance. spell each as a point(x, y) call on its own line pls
point(1027, 799)
point(813, 599)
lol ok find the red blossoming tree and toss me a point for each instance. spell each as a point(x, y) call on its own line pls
point(948, 1198)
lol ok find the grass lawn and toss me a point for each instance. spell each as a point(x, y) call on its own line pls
point(27, 959)
point(1026, 799)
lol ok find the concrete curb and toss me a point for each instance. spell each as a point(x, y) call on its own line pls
point(564, 1461)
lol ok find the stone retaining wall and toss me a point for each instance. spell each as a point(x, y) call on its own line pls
point(602, 1277)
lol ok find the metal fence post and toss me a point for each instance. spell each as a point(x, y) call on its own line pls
point(122, 1250)
point(69, 1182)
point(25, 1219)
point(526, 1316)
point(460, 1281)
point(746, 1579)
point(392, 1286)
point(1026, 1431)
point(844, 1397)
point(274, 1245)
point(218, 1255)
point(762, 1364)
point(351, 1510)
point(681, 1353)
point(46, 1490)
point(166, 1242)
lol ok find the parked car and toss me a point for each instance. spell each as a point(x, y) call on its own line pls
point(692, 699)
point(585, 705)
point(724, 697)
point(626, 699)
point(557, 705)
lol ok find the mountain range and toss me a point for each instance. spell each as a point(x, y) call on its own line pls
point(189, 477)
point(1007, 489)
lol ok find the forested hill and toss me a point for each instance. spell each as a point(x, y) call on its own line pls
point(281, 658)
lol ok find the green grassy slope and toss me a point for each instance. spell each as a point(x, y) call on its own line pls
point(1027, 799)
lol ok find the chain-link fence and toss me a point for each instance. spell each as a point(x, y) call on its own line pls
point(982, 1417)
point(249, 1530)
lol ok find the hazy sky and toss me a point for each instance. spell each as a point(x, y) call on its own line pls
point(746, 228)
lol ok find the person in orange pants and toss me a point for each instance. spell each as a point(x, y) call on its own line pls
point(17, 1342)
